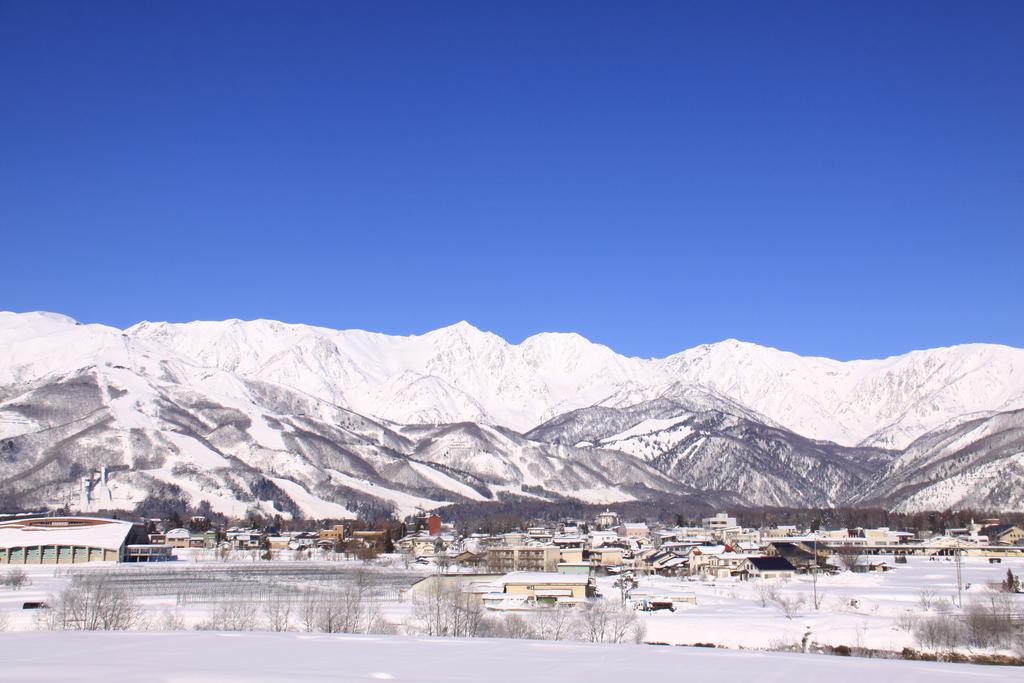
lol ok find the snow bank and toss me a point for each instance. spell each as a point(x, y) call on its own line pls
point(230, 657)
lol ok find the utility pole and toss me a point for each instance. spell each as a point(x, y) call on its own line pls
point(959, 580)
point(814, 571)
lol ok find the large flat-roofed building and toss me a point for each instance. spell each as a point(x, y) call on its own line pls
point(64, 540)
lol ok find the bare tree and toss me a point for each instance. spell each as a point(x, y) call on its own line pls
point(447, 610)
point(927, 598)
point(94, 605)
point(940, 631)
point(604, 622)
point(766, 592)
point(231, 616)
point(15, 579)
point(817, 595)
point(170, 621)
point(554, 623)
point(310, 609)
point(790, 604)
point(512, 626)
point(341, 611)
point(990, 622)
point(849, 556)
point(277, 613)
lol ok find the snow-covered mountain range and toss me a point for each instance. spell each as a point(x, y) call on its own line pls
point(313, 421)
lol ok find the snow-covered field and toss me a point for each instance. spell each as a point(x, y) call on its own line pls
point(191, 657)
point(856, 610)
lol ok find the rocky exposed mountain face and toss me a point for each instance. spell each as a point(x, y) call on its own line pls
point(979, 463)
point(304, 420)
point(701, 442)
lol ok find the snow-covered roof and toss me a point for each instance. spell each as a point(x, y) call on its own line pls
point(708, 549)
point(544, 577)
point(91, 532)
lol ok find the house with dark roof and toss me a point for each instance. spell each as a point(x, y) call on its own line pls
point(765, 568)
point(800, 554)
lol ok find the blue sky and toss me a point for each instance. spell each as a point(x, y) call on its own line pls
point(840, 179)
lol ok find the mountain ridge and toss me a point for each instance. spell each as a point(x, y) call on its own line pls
point(479, 376)
point(316, 418)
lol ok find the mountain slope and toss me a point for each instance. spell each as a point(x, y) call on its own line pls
point(172, 430)
point(979, 463)
point(274, 417)
point(698, 441)
point(459, 374)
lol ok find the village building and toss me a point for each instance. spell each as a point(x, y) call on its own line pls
point(70, 540)
point(1004, 534)
point(331, 538)
point(419, 545)
point(634, 530)
point(604, 557)
point(606, 520)
point(178, 538)
point(720, 522)
point(766, 568)
point(600, 538)
point(543, 558)
point(548, 587)
point(570, 555)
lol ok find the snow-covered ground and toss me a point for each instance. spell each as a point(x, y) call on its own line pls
point(855, 610)
point(259, 657)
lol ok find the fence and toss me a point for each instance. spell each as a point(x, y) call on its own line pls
point(252, 584)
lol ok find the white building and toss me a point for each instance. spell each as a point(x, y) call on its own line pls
point(719, 522)
point(64, 540)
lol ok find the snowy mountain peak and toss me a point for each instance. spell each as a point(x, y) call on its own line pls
point(477, 375)
point(242, 410)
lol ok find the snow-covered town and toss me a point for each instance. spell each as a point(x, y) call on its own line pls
point(511, 342)
point(877, 592)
